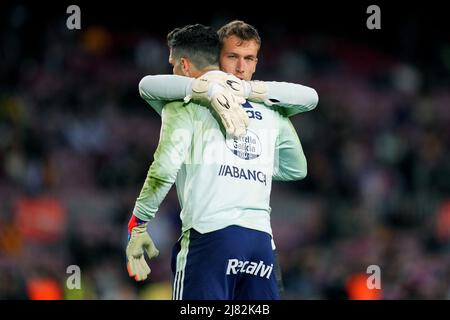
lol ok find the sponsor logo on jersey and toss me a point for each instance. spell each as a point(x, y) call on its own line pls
point(259, 269)
point(252, 114)
point(247, 147)
point(240, 173)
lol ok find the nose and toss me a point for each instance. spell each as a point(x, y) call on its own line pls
point(240, 65)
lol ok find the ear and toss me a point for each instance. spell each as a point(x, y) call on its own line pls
point(256, 63)
point(185, 66)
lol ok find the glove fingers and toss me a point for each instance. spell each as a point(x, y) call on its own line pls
point(131, 267)
point(140, 273)
point(244, 121)
point(226, 121)
point(144, 270)
point(233, 116)
point(242, 117)
point(233, 127)
point(245, 118)
point(240, 127)
point(144, 267)
point(240, 130)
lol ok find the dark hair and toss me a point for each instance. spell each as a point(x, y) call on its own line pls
point(240, 29)
point(197, 42)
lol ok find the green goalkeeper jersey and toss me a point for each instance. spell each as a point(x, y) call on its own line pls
point(220, 180)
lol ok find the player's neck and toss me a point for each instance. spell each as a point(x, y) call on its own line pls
point(207, 69)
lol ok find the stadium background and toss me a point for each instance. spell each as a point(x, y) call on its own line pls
point(76, 141)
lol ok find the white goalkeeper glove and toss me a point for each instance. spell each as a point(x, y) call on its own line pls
point(257, 92)
point(212, 81)
point(224, 93)
point(139, 240)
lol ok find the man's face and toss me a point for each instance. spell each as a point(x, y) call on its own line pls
point(239, 57)
point(176, 64)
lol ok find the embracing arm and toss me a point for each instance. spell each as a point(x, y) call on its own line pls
point(288, 98)
point(159, 89)
point(293, 98)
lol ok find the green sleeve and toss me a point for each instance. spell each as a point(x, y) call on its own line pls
point(290, 161)
point(173, 147)
point(157, 90)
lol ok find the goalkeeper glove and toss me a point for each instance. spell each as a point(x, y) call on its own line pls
point(224, 93)
point(233, 116)
point(204, 86)
point(138, 241)
point(257, 92)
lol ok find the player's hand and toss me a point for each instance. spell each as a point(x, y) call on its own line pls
point(224, 92)
point(204, 86)
point(258, 92)
point(139, 240)
point(233, 116)
point(255, 90)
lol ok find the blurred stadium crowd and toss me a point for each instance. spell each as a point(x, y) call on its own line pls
point(76, 141)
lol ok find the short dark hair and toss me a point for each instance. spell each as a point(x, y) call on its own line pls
point(240, 29)
point(197, 42)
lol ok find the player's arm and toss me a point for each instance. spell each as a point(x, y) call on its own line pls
point(290, 161)
point(159, 89)
point(175, 139)
point(289, 98)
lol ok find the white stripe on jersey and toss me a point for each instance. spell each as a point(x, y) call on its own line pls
point(180, 267)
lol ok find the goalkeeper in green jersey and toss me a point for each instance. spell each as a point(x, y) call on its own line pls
point(223, 183)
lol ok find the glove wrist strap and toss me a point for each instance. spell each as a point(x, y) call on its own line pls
point(137, 223)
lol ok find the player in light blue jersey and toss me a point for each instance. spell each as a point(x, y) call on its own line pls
point(223, 185)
